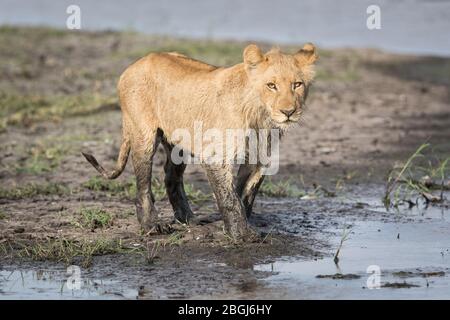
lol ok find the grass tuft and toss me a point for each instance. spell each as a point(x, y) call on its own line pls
point(411, 180)
point(32, 190)
point(2, 215)
point(94, 218)
point(280, 189)
point(196, 196)
point(66, 250)
point(111, 187)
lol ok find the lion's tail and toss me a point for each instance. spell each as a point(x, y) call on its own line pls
point(121, 161)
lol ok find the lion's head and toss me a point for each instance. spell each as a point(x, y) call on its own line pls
point(281, 80)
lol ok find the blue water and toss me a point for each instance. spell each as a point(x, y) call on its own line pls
point(408, 26)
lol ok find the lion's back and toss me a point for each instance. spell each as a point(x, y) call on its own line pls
point(168, 66)
point(160, 84)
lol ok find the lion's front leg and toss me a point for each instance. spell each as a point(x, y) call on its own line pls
point(248, 181)
point(230, 205)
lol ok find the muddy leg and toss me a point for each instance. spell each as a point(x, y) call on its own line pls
point(230, 205)
point(142, 151)
point(175, 187)
point(248, 181)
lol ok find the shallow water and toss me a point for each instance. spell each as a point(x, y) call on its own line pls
point(408, 246)
point(420, 247)
point(54, 283)
point(412, 26)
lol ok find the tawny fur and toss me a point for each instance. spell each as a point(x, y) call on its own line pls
point(163, 92)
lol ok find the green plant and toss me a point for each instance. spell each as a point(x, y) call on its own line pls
point(410, 179)
point(113, 187)
point(196, 196)
point(152, 251)
point(345, 236)
point(93, 218)
point(66, 250)
point(280, 189)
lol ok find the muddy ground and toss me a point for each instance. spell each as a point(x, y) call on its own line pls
point(367, 111)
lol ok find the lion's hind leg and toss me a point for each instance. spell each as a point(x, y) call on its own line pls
point(175, 186)
point(143, 147)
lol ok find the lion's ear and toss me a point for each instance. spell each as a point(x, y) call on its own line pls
point(308, 54)
point(252, 55)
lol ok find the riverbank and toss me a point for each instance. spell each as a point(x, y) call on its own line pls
point(367, 111)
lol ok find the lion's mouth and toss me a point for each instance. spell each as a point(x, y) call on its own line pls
point(291, 120)
point(284, 124)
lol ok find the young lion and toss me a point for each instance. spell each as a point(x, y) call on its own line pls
point(163, 92)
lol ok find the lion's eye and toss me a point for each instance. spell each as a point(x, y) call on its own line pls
point(272, 86)
point(297, 84)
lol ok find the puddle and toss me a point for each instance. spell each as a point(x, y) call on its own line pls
point(370, 199)
point(57, 284)
point(416, 253)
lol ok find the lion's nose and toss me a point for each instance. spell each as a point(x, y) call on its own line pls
point(288, 112)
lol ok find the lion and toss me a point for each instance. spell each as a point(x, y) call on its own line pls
point(163, 92)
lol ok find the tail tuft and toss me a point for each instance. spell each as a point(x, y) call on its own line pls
point(91, 159)
point(121, 161)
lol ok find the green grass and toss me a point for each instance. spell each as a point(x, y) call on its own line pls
point(14, 41)
point(94, 218)
point(127, 189)
point(111, 187)
point(67, 250)
point(44, 155)
point(42, 158)
point(419, 176)
point(345, 236)
point(175, 238)
point(2, 215)
point(280, 189)
point(25, 110)
point(349, 74)
point(40, 32)
point(196, 196)
point(32, 190)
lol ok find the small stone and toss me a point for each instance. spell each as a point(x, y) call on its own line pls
point(19, 230)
